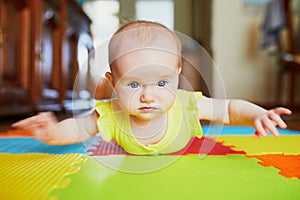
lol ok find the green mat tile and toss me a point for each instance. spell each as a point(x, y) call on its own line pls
point(189, 177)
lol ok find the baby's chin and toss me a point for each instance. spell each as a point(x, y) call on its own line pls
point(147, 117)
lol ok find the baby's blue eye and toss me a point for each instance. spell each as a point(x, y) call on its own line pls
point(134, 85)
point(161, 83)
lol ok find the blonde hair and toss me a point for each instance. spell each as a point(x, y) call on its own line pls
point(145, 34)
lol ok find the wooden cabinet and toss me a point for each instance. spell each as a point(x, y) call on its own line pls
point(39, 60)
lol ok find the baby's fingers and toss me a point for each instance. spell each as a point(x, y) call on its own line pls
point(26, 122)
point(41, 119)
point(268, 124)
point(263, 126)
point(259, 129)
point(277, 120)
point(282, 111)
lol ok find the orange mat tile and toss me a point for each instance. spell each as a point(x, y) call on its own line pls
point(15, 133)
point(288, 164)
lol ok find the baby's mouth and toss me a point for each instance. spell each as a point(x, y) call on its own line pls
point(147, 109)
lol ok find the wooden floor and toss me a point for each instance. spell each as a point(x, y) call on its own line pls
point(292, 121)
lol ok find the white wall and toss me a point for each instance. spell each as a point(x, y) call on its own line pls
point(247, 71)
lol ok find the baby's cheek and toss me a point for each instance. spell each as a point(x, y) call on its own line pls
point(128, 102)
point(168, 100)
point(125, 103)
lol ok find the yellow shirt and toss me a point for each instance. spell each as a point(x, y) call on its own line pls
point(183, 124)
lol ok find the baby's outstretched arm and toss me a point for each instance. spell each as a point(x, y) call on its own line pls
point(46, 128)
point(240, 112)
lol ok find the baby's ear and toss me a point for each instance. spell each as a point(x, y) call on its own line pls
point(109, 77)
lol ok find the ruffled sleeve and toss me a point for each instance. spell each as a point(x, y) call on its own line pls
point(195, 118)
point(189, 103)
point(105, 123)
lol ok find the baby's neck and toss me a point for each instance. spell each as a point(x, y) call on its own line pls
point(149, 131)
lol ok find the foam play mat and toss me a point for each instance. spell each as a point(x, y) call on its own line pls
point(227, 163)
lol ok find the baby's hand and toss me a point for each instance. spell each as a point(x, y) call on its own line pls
point(267, 122)
point(39, 125)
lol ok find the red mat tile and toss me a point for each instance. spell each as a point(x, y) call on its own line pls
point(208, 146)
point(203, 145)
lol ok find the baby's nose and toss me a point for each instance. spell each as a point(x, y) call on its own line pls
point(147, 94)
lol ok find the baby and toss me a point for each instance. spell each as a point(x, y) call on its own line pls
point(148, 114)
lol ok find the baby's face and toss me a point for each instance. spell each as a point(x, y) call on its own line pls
point(146, 82)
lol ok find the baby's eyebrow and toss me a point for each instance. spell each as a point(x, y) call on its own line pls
point(158, 77)
point(130, 78)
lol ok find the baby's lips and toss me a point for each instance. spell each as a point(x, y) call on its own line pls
point(147, 109)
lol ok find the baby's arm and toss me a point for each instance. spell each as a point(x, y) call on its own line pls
point(240, 112)
point(46, 128)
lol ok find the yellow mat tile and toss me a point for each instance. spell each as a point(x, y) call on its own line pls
point(263, 145)
point(33, 176)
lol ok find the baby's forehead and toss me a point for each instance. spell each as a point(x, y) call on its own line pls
point(145, 60)
point(143, 38)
